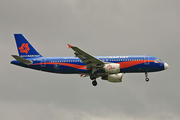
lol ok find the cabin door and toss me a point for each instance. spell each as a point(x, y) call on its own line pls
point(43, 62)
point(146, 60)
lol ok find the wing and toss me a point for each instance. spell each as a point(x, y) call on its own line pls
point(86, 58)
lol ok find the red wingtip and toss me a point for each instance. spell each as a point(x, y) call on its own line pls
point(69, 45)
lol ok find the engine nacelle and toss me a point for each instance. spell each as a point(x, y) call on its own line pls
point(112, 68)
point(113, 77)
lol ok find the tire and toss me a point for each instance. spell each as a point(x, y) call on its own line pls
point(147, 79)
point(94, 83)
point(92, 77)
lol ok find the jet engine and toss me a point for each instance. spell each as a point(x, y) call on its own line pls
point(113, 77)
point(112, 68)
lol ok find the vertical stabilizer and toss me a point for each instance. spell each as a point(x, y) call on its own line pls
point(25, 49)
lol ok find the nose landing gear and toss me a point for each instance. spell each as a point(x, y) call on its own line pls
point(146, 75)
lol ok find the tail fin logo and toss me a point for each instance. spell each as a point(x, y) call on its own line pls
point(24, 48)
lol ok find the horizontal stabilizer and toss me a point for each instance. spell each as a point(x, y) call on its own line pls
point(22, 60)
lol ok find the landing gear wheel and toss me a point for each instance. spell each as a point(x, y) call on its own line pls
point(94, 82)
point(147, 79)
point(92, 77)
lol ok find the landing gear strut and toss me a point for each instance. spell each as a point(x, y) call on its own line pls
point(93, 76)
point(146, 75)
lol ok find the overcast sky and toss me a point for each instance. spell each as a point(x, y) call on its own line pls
point(103, 27)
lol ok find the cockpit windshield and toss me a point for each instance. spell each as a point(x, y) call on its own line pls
point(157, 60)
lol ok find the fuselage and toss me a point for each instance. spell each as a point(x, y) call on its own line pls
point(73, 65)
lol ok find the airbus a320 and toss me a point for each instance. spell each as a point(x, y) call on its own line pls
point(110, 68)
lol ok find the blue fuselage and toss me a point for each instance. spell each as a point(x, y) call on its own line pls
point(73, 65)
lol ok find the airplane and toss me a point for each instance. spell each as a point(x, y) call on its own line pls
point(109, 68)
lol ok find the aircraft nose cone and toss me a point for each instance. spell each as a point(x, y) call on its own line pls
point(166, 66)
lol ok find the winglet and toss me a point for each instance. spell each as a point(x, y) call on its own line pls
point(69, 45)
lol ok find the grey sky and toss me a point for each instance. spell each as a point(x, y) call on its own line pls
point(119, 27)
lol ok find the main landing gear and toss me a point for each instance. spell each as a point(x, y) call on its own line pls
point(146, 75)
point(93, 77)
